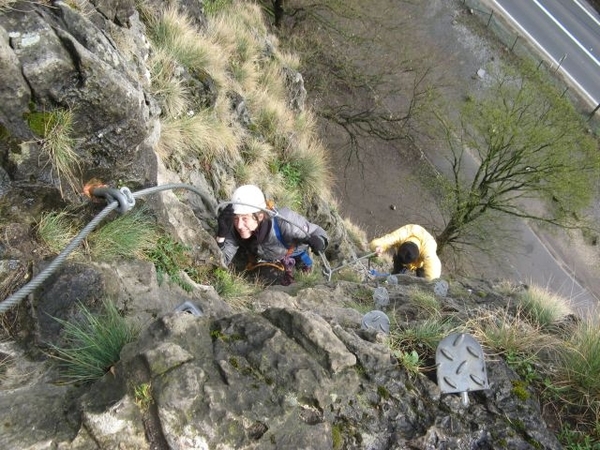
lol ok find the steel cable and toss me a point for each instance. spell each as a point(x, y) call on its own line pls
point(15, 298)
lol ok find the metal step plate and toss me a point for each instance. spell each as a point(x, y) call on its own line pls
point(460, 364)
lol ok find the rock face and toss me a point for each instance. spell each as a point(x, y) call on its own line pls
point(291, 369)
point(56, 57)
point(296, 370)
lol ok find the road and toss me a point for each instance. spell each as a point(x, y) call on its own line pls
point(567, 32)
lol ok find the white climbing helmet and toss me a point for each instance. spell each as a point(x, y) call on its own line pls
point(248, 199)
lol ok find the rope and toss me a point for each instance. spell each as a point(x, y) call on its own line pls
point(121, 199)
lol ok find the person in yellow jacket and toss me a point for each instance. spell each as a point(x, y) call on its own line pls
point(415, 251)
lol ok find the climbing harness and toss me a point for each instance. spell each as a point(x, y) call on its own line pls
point(122, 200)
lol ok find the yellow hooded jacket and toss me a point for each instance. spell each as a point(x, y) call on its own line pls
point(428, 258)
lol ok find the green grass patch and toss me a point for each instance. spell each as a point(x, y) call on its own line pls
point(425, 301)
point(212, 7)
point(130, 235)
point(422, 337)
point(93, 344)
point(580, 366)
point(56, 229)
point(170, 258)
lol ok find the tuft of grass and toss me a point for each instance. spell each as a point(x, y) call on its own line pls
point(176, 34)
point(423, 337)
point(270, 84)
point(542, 306)
point(212, 7)
point(308, 279)
point(131, 235)
point(6, 361)
point(426, 301)
point(506, 333)
point(6, 4)
point(246, 46)
point(348, 274)
point(92, 345)
point(56, 229)
point(230, 285)
point(201, 136)
point(272, 119)
point(579, 365)
point(363, 298)
point(258, 151)
point(357, 235)
point(573, 439)
point(167, 86)
point(56, 127)
point(170, 258)
point(508, 288)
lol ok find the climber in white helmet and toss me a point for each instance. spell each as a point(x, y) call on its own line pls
point(274, 238)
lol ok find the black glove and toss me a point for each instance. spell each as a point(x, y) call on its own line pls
point(317, 243)
point(225, 221)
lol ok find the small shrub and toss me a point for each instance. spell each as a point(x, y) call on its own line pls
point(410, 360)
point(92, 345)
point(143, 396)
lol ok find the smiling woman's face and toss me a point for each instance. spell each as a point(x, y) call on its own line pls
point(245, 224)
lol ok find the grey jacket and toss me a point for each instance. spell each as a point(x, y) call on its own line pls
point(295, 230)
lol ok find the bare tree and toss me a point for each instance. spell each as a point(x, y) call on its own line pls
point(363, 83)
point(520, 144)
